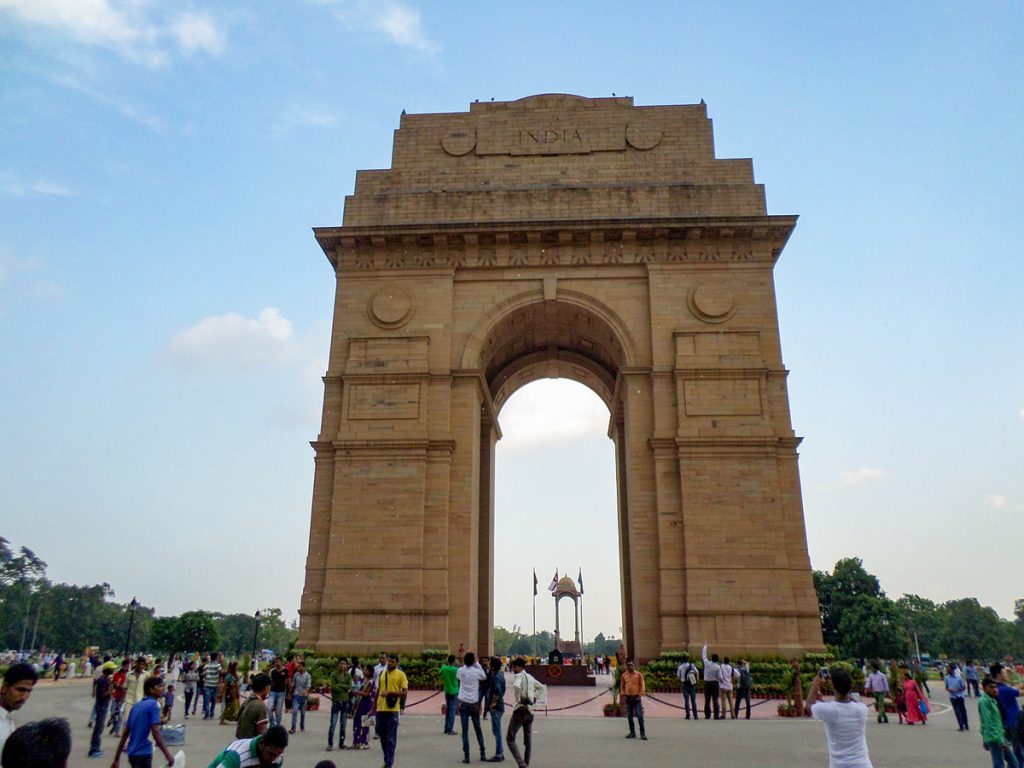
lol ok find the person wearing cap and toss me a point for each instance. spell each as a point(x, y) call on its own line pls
point(101, 690)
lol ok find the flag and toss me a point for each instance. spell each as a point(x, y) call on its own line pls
point(579, 580)
point(534, 582)
point(554, 582)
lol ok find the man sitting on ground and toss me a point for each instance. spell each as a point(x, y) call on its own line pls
point(263, 751)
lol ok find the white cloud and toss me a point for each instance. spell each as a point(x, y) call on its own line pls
point(132, 28)
point(551, 411)
point(1022, 414)
point(861, 476)
point(997, 501)
point(303, 114)
point(398, 21)
point(197, 32)
point(12, 185)
point(233, 341)
point(127, 110)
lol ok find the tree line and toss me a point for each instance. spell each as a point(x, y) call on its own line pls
point(863, 622)
point(36, 613)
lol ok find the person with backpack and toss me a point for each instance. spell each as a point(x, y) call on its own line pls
point(745, 682)
point(687, 674)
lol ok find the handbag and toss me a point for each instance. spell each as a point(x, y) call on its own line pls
point(923, 706)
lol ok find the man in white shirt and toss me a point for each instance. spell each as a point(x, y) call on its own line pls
point(878, 686)
point(523, 685)
point(470, 675)
point(844, 719)
point(14, 692)
point(725, 675)
point(687, 674)
point(710, 682)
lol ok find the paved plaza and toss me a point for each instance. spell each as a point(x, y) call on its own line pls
point(569, 738)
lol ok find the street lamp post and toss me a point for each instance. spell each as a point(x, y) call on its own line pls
point(128, 638)
point(255, 636)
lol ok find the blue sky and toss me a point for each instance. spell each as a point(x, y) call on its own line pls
point(165, 310)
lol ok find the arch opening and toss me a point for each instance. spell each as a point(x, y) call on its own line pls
point(556, 508)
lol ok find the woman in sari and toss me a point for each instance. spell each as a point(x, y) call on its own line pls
point(917, 705)
point(229, 713)
point(364, 691)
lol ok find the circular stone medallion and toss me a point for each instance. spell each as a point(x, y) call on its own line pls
point(391, 307)
point(711, 303)
point(459, 142)
point(643, 137)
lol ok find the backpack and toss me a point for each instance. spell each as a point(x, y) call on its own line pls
point(691, 674)
point(746, 679)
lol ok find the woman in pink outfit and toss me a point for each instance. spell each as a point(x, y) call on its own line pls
point(914, 699)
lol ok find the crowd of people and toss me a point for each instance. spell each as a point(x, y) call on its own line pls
point(132, 700)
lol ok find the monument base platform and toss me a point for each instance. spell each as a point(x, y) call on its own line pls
point(561, 674)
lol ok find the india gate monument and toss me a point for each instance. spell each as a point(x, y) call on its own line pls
point(557, 236)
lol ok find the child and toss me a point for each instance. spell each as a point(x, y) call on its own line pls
point(168, 704)
point(901, 702)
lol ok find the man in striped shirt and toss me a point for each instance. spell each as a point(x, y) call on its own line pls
point(211, 681)
point(265, 750)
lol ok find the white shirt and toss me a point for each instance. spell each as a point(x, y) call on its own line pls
point(7, 727)
point(469, 683)
point(725, 677)
point(844, 730)
point(710, 667)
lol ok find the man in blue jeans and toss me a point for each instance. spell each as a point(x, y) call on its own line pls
point(341, 687)
point(471, 678)
point(143, 723)
point(278, 691)
point(211, 682)
point(496, 704)
point(449, 676)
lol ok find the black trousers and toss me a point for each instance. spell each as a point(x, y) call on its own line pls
point(710, 698)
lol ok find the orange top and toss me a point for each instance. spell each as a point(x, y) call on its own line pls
point(632, 684)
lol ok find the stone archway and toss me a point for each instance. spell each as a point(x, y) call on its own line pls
point(582, 238)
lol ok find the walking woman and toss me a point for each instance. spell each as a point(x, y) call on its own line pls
point(917, 705)
point(229, 713)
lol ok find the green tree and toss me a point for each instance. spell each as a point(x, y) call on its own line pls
point(163, 635)
point(974, 631)
point(872, 627)
point(196, 631)
point(924, 618)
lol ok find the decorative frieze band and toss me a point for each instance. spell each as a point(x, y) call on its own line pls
point(558, 245)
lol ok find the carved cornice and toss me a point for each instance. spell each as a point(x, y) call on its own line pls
point(706, 241)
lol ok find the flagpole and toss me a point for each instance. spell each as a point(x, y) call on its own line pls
point(534, 611)
point(583, 636)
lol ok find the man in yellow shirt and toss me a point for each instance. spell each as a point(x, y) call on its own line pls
point(392, 688)
point(633, 689)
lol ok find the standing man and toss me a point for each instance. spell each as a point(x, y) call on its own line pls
point(450, 677)
point(341, 687)
point(878, 686)
point(135, 690)
point(392, 689)
point(1010, 708)
point(993, 735)
point(471, 678)
point(496, 704)
point(845, 721)
point(710, 682)
point(19, 680)
point(252, 717)
point(725, 675)
point(278, 691)
point(101, 690)
point(302, 681)
point(632, 689)
point(523, 686)
point(745, 683)
point(687, 674)
point(971, 675)
point(143, 722)
point(211, 681)
point(957, 689)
